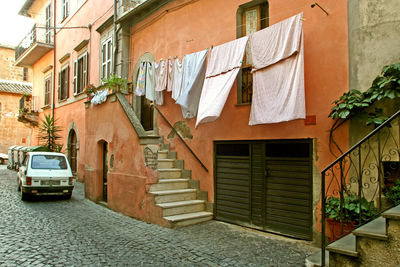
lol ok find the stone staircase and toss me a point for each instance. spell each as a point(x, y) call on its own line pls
point(376, 243)
point(177, 194)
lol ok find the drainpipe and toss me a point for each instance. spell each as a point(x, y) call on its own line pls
point(54, 59)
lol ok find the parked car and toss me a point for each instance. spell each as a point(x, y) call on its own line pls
point(45, 173)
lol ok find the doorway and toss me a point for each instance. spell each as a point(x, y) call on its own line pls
point(72, 151)
point(105, 171)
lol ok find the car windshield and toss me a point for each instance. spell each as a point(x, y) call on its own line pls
point(48, 162)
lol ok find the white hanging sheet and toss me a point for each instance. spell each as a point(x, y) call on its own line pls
point(278, 77)
point(194, 70)
point(170, 71)
point(177, 79)
point(222, 69)
point(150, 81)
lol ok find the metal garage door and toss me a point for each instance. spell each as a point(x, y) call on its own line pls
point(265, 185)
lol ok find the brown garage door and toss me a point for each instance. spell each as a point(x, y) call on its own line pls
point(265, 185)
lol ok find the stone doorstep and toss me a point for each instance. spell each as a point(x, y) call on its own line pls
point(393, 213)
point(166, 196)
point(189, 218)
point(346, 245)
point(375, 229)
point(162, 154)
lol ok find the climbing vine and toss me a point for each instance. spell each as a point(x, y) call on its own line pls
point(364, 105)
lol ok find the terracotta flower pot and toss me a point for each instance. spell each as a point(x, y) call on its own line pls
point(335, 230)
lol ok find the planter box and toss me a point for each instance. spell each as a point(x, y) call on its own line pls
point(335, 230)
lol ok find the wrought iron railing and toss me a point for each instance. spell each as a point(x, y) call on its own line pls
point(38, 34)
point(28, 104)
point(353, 186)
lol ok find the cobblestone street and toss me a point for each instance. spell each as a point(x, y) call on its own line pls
point(78, 232)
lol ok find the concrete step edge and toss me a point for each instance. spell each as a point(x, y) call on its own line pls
point(346, 245)
point(169, 170)
point(180, 203)
point(166, 181)
point(188, 216)
point(172, 192)
point(393, 213)
point(375, 229)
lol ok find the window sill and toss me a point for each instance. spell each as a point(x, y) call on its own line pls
point(62, 100)
point(242, 104)
point(46, 107)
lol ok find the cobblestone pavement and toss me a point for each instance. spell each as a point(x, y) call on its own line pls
point(78, 232)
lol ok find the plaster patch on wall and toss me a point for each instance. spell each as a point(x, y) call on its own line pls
point(182, 128)
point(150, 157)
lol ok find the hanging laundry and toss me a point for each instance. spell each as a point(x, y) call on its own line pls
point(194, 70)
point(222, 69)
point(170, 71)
point(141, 80)
point(177, 79)
point(150, 81)
point(278, 76)
point(160, 70)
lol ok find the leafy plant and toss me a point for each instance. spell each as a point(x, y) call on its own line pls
point(349, 210)
point(393, 193)
point(115, 83)
point(49, 134)
point(90, 88)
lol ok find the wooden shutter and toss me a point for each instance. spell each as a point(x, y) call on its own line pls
point(59, 86)
point(67, 82)
point(85, 79)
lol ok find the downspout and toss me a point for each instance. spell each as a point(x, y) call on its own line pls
point(54, 60)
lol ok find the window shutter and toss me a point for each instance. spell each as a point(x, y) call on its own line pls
point(75, 77)
point(67, 82)
point(59, 86)
point(85, 69)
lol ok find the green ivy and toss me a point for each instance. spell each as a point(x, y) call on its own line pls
point(393, 193)
point(354, 103)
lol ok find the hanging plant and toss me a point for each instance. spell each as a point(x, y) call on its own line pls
point(116, 83)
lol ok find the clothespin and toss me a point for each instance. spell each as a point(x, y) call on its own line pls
point(303, 19)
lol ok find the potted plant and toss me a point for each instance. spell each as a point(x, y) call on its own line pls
point(393, 193)
point(90, 90)
point(116, 83)
point(343, 217)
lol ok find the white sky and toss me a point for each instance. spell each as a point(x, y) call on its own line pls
point(13, 27)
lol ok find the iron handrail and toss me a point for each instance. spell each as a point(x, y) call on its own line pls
point(362, 141)
point(180, 137)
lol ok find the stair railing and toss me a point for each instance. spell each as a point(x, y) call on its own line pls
point(180, 137)
point(352, 187)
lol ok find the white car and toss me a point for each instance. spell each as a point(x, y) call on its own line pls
point(45, 173)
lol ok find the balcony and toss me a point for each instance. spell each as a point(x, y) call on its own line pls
point(28, 110)
point(35, 45)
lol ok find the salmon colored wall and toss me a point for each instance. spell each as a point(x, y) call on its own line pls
point(200, 25)
point(128, 179)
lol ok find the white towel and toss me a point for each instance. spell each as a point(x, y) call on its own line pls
point(278, 77)
point(150, 81)
point(141, 80)
point(160, 71)
point(170, 68)
point(222, 69)
point(194, 70)
point(177, 79)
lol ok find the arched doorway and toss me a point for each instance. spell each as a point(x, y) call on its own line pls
point(72, 150)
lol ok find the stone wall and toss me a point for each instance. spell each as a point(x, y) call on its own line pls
point(8, 70)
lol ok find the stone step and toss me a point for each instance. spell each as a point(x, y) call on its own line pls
point(162, 154)
point(375, 229)
point(169, 173)
point(315, 259)
point(393, 213)
point(181, 207)
point(189, 218)
point(166, 196)
point(166, 163)
point(170, 184)
point(346, 245)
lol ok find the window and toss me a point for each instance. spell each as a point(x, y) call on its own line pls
point(25, 74)
point(80, 73)
point(48, 24)
point(65, 8)
point(63, 84)
point(106, 58)
point(251, 17)
point(47, 91)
